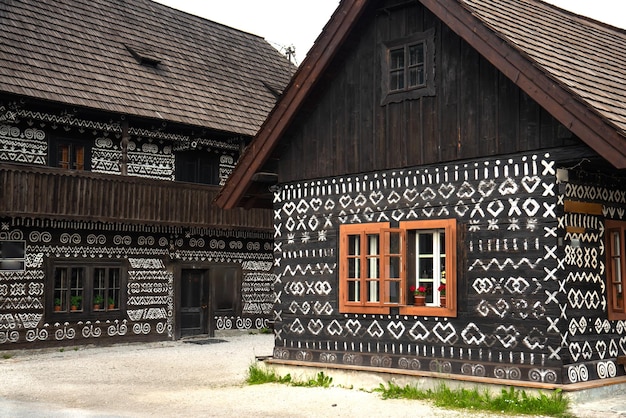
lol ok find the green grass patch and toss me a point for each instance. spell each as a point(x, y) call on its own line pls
point(259, 375)
point(510, 401)
point(6, 356)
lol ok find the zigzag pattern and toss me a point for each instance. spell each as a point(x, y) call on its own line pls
point(93, 251)
point(581, 276)
point(502, 265)
point(70, 121)
point(319, 268)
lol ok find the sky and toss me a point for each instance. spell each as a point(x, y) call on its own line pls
point(285, 23)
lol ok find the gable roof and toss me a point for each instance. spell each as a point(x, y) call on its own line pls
point(139, 58)
point(569, 64)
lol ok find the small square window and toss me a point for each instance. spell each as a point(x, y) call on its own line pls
point(408, 68)
point(12, 255)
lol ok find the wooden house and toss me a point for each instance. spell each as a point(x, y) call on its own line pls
point(471, 149)
point(119, 122)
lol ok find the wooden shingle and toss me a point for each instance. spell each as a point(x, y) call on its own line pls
point(139, 58)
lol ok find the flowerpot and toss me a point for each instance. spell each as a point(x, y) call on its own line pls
point(442, 301)
point(96, 307)
point(57, 309)
point(73, 308)
point(419, 300)
point(111, 306)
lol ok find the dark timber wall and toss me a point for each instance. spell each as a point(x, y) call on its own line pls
point(476, 111)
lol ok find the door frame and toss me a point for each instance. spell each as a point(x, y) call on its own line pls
point(206, 266)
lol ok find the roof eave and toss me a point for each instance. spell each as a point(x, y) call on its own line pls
point(279, 119)
point(556, 98)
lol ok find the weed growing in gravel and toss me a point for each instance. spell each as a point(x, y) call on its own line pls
point(320, 380)
point(6, 356)
point(508, 401)
point(258, 375)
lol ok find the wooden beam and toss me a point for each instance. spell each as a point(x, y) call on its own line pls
point(572, 206)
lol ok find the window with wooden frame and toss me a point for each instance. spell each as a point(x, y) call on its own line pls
point(197, 167)
point(87, 290)
point(408, 68)
point(69, 155)
point(615, 268)
point(381, 267)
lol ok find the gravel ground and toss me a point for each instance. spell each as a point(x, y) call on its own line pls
point(176, 379)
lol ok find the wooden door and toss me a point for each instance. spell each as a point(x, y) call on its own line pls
point(226, 293)
point(194, 302)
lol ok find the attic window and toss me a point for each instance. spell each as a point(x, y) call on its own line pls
point(144, 56)
point(408, 68)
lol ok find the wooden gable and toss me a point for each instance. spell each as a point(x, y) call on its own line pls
point(492, 95)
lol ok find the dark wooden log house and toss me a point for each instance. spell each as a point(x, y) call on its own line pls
point(119, 122)
point(475, 149)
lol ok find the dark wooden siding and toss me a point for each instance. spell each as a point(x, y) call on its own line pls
point(476, 111)
point(56, 194)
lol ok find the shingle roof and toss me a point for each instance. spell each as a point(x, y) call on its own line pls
point(583, 55)
point(88, 53)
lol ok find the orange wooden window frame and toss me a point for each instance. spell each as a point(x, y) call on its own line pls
point(383, 230)
point(449, 226)
point(615, 304)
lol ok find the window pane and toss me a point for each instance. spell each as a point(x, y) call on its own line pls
point(393, 291)
point(61, 288)
point(373, 291)
point(394, 267)
point(416, 54)
point(76, 288)
point(373, 245)
point(396, 80)
point(12, 249)
point(11, 265)
point(99, 288)
point(616, 252)
point(63, 156)
point(396, 58)
point(416, 76)
point(425, 244)
point(373, 268)
point(354, 244)
point(79, 157)
point(394, 242)
point(113, 298)
point(354, 268)
point(354, 291)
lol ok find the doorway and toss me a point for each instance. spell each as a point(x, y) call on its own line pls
point(206, 294)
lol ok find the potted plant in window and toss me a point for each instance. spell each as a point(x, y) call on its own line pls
point(75, 302)
point(111, 303)
point(57, 304)
point(97, 301)
point(419, 295)
point(442, 295)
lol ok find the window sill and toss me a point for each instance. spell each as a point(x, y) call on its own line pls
point(409, 310)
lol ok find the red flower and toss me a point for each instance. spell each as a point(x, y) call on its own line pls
point(442, 289)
